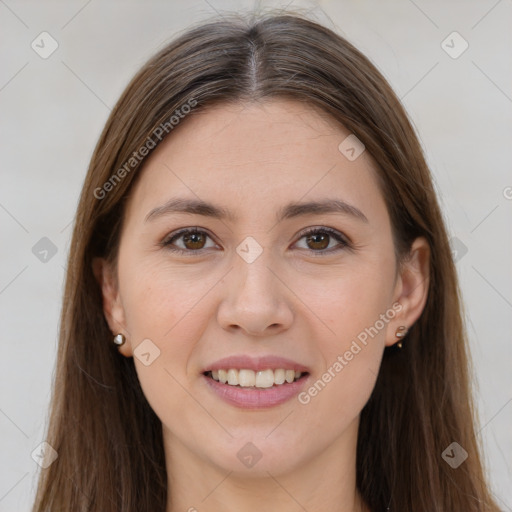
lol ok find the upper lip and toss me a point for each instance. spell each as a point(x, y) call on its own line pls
point(256, 364)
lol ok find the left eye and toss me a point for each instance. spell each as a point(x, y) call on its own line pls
point(194, 240)
point(321, 238)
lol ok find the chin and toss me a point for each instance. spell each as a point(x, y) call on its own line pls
point(256, 457)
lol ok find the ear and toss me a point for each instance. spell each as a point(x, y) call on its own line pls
point(112, 305)
point(411, 289)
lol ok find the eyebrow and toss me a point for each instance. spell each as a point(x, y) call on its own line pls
point(291, 210)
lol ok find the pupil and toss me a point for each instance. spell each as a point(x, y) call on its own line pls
point(314, 237)
point(193, 238)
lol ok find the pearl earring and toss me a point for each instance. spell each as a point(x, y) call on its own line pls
point(119, 339)
point(400, 333)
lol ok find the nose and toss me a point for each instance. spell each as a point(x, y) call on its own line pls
point(255, 298)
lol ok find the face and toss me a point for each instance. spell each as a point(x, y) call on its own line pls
point(257, 289)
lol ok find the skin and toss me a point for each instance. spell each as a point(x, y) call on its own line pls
point(291, 302)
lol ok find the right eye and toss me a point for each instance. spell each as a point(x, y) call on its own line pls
point(193, 240)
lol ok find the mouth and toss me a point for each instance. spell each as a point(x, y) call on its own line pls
point(263, 379)
point(260, 382)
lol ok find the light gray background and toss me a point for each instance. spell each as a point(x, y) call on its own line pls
point(52, 112)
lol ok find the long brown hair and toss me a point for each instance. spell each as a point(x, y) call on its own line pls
point(108, 439)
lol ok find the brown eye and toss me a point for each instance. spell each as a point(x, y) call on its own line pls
point(318, 241)
point(195, 240)
point(191, 241)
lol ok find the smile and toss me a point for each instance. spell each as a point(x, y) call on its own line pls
point(255, 382)
point(247, 378)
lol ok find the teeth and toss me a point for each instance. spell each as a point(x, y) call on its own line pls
point(249, 378)
point(279, 376)
point(264, 379)
point(232, 377)
point(246, 378)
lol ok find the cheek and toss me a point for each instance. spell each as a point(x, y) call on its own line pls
point(169, 308)
point(351, 358)
point(348, 301)
point(356, 308)
point(159, 303)
point(334, 400)
point(169, 314)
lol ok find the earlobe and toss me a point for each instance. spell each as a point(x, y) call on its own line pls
point(411, 289)
point(112, 306)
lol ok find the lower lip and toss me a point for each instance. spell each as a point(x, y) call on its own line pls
point(256, 398)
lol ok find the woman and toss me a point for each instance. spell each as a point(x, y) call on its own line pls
point(261, 308)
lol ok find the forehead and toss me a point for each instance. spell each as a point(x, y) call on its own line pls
point(249, 156)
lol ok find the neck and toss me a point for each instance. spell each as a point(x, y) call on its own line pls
point(325, 482)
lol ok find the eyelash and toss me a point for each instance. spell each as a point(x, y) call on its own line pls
point(344, 244)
